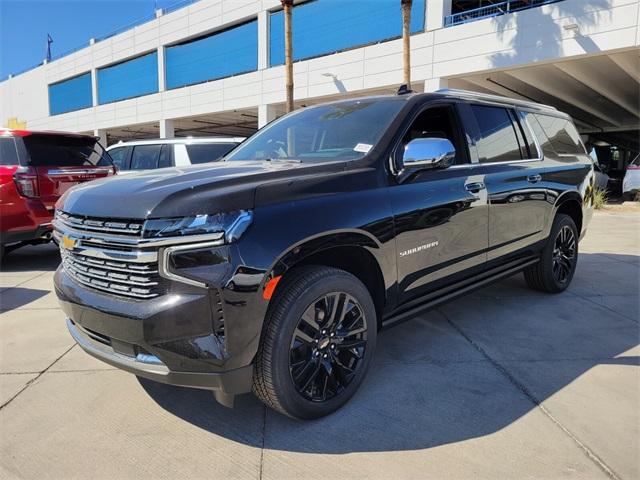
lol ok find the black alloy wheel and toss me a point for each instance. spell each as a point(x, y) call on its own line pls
point(318, 341)
point(558, 259)
point(328, 346)
point(564, 254)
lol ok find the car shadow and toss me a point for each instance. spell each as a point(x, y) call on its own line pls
point(17, 297)
point(44, 258)
point(467, 369)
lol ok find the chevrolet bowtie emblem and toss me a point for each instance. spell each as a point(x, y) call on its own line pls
point(68, 242)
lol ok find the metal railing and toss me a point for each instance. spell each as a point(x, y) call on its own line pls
point(493, 10)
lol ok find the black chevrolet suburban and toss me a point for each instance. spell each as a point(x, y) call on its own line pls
point(273, 270)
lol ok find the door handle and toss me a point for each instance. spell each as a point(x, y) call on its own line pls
point(474, 187)
point(534, 178)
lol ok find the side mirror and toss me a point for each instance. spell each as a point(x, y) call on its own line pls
point(427, 153)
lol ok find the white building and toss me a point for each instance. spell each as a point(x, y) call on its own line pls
point(212, 67)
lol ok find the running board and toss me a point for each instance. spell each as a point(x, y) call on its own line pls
point(450, 292)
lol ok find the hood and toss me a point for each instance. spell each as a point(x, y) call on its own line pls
point(175, 192)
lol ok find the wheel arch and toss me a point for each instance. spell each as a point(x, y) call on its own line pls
point(570, 204)
point(351, 251)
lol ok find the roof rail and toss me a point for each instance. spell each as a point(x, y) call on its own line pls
point(496, 98)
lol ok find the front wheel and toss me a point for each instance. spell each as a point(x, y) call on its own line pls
point(554, 271)
point(318, 341)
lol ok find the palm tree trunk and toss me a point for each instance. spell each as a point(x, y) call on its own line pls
point(287, 5)
point(406, 41)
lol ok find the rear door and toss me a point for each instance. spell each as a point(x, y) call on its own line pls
point(62, 161)
point(513, 170)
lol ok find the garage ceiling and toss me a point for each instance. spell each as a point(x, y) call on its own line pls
point(601, 93)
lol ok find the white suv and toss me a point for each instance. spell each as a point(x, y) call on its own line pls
point(631, 182)
point(159, 153)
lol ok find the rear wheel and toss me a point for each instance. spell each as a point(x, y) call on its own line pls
point(318, 341)
point(554, 272)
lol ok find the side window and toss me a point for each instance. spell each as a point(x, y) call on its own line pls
point(166, 156)
point(8, 152)
point(497, 138)
point(120, 157)
point(543, 141)
point(563, 136)
point(208, 152)
point(438, 122)
point(145, 157)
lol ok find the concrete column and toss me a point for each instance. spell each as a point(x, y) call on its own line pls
point(162, 78)
point(166, 128)
point(266, 113)
point(435, 84)
point(435, 11)
point(101, 133)
point(263, 40)
point(94, 87)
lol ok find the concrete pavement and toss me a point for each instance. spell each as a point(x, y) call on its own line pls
point(505, 383)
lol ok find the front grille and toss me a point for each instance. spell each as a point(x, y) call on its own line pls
point(100, 225)
point(130, 279)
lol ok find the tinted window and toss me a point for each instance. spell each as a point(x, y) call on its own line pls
point(120, 157)
point(337, 131)
point(561, 133)
point(497, 140)
point(63, 151)
point(543, 141)
point(8, 152)
point(437, 122)
point(166, 156)
point(145, 157)
point(209, 152)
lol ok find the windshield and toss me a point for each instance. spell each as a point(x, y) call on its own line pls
point(339, 131)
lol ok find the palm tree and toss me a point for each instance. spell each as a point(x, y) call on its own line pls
point(287, 6)
point(406, 41)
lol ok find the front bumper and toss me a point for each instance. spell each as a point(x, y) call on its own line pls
point(229, 383)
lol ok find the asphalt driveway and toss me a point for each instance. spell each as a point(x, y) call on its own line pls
point(506, 383)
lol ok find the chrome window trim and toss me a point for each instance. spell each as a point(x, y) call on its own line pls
point(163, 264)
point(488, 164)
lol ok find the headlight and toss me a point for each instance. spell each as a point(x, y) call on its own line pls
point(233, 225)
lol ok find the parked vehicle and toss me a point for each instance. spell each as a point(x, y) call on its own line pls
point(631, 182)
point(274, 269)
point(35, 169)
point(176, 152)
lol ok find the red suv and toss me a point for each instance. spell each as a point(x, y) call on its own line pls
point(36, 168)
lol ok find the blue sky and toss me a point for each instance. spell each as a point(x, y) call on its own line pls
point(24, 25)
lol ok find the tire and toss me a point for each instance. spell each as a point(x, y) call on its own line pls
point(301, 371)
point(557, 265)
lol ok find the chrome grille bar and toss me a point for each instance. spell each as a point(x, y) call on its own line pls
point(122, 227)
point(129, 279)
point(113, 256)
